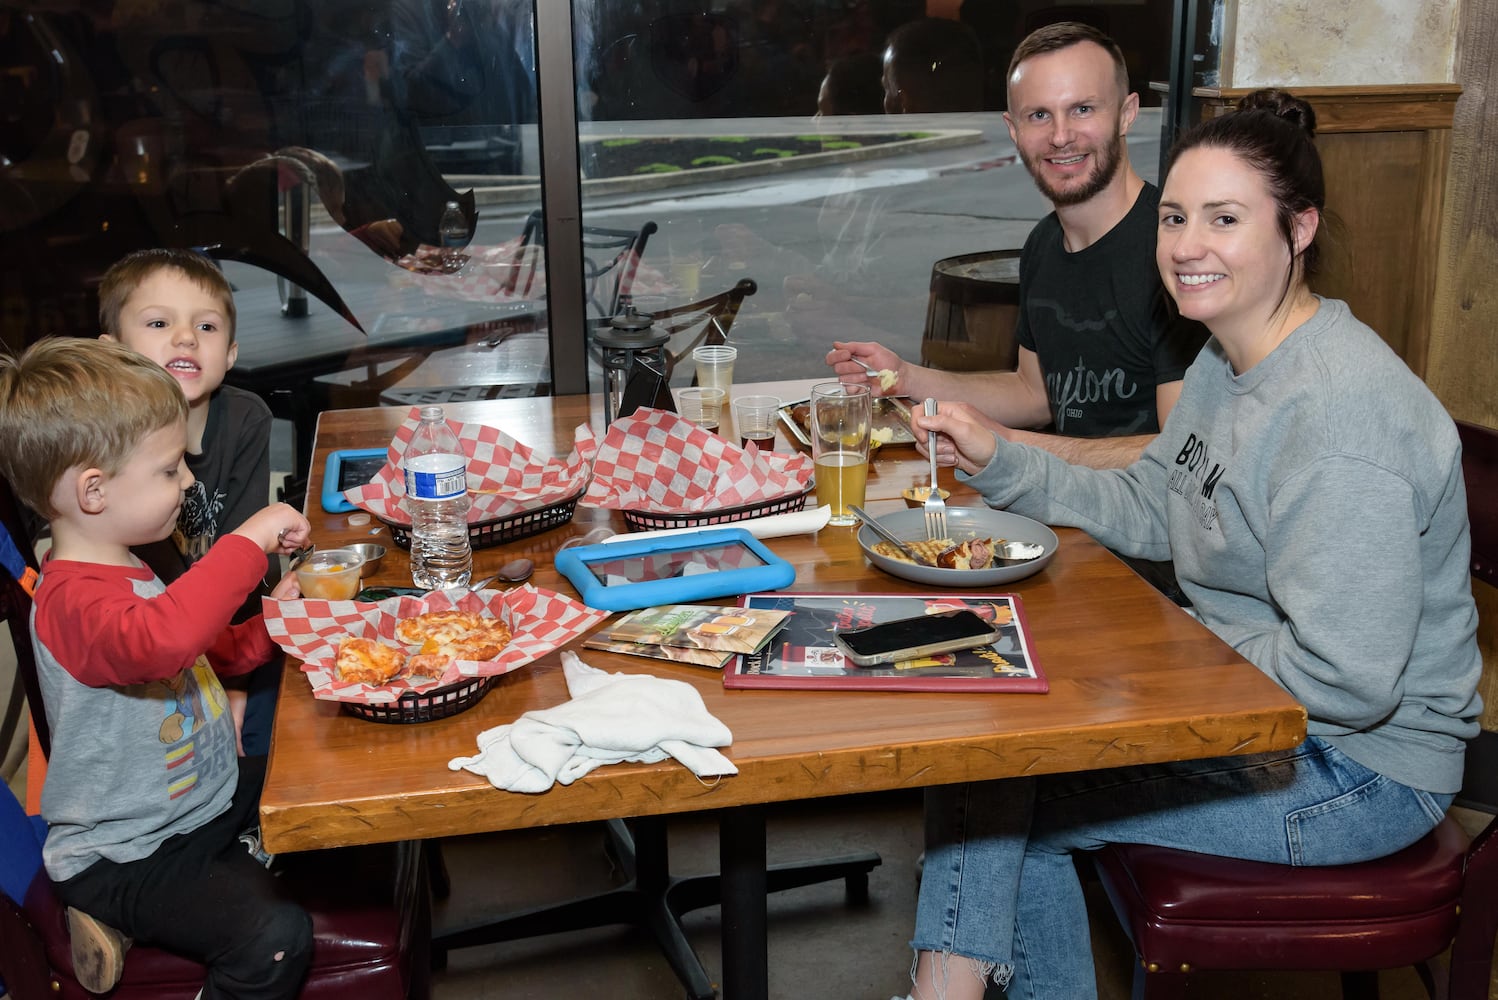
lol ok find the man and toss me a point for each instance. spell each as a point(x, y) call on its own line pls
point(1100, 359)
point(932, 64)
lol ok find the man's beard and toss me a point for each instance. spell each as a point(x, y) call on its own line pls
point(1105, 166)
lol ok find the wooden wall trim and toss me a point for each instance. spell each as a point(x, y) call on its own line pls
point(1391, 108)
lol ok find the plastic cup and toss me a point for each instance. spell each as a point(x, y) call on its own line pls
point(703, 406)
point(841, 415)
point(754, 420)
point(330, 575)
point(715, 366)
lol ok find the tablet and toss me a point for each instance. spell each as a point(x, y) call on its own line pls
point(346, 470)
point(714, 562)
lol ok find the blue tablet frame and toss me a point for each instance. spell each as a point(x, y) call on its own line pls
point(573, 564)
point(333, 500)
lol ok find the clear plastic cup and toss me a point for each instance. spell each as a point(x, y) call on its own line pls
point(330, 575)
point(754, 420)
point(703, 406)
point(715, 366)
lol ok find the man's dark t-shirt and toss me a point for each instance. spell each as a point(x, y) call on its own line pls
point(1104, 335)
point(1098, 323)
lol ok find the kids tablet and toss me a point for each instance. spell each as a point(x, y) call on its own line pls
point(347, 469)
point(714, 562)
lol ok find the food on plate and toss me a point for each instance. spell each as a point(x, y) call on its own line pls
point(887, 379)
point(881, 435)
point(367, 661)
point(801, 414)
point(972, 553)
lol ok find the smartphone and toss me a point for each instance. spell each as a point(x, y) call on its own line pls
point(910, 638)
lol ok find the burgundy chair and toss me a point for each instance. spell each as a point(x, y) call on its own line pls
point(370, 906)
point(1189, 912)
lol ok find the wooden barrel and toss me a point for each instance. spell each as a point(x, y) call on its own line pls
point(972, 312)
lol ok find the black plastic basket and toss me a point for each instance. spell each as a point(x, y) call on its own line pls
point(438, 703)
point(644, 520)
point(482, 534)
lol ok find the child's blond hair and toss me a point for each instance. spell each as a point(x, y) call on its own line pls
point(126, 274)
point(71, 402)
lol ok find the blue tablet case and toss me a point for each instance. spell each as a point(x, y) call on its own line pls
point(770, 573)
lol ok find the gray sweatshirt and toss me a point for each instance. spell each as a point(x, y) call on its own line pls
point(1316, 513)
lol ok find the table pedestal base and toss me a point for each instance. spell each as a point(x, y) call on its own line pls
point(654, 899)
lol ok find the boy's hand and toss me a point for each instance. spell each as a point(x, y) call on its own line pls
point(287, 589)
point(278, 528)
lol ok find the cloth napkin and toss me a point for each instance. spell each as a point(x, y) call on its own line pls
point(611, 718)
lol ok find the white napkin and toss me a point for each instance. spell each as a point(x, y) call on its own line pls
point(798, 522)
point(611, 718)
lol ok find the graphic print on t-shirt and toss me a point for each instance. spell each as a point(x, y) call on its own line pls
point(197, 524)
point(192, 699)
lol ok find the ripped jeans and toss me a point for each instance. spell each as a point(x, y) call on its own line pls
point(999, 885)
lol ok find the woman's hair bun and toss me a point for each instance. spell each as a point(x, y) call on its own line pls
point(1281, 104)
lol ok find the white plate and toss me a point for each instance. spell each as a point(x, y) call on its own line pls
point(962, 523)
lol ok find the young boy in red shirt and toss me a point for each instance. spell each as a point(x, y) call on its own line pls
point(145, 796)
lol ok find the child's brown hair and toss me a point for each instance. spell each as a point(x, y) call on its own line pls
point(126, 274)
point(71, 402)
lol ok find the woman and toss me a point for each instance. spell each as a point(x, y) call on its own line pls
point(1308, 488)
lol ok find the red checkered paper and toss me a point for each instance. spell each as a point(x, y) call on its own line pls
point(540, 622)
point(657, 462)
point(504, 476)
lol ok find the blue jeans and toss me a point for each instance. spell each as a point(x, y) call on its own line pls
point(999, 885)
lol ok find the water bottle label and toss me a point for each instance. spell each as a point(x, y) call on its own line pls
point(435, 477)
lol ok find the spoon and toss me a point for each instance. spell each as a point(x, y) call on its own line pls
point(514, 571)
point(300, 555)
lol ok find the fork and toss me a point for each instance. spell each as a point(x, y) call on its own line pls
point(936, 507)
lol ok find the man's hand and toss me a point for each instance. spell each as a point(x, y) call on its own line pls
point(854, 360)
point(964, 437)
point(277, 528)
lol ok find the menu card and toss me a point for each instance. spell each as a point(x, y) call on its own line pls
point(803, 655)
point(707, 636)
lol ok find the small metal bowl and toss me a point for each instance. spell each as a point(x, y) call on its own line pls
point(915, 496)
point(372, 554)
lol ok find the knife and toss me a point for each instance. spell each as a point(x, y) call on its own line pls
point(884, 533)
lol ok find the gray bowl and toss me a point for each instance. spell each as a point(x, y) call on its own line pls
point(962, 523)
point(372, 553)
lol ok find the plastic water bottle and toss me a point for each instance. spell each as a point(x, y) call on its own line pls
point(452, 230)
point(437, 500)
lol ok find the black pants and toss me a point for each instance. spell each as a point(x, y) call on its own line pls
point(202, 896)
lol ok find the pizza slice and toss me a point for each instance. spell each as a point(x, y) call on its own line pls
point(437, 626)
point(366, 661)
point(484, 641)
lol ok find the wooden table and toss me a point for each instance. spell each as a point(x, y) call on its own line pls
point(1133, 679)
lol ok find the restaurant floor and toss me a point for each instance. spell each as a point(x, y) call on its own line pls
point(821, 946)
